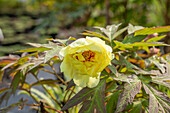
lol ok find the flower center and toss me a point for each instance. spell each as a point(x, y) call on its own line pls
point(88, 55)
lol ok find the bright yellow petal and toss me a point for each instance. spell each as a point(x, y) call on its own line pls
point(81, 80)
point(96, 40)
point(77, 46)
point(65, 66)
point(93, 81)
point(85, 80)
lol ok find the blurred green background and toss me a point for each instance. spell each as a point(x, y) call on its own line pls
point(23, 21)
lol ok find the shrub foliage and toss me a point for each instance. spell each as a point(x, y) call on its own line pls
point(138, 79)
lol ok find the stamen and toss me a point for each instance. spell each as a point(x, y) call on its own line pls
point(88, 55)
point(77, 58)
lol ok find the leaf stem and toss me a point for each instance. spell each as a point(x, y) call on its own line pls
point(64, 99)
point(47, 71)
point(47, 91)
point(55, 73)
point(58, 111)
point(28, 91)
point(72, 91)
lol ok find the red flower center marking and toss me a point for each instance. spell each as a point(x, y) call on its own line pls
point(88, 55)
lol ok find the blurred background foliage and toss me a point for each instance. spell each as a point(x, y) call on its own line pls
point(23, 21)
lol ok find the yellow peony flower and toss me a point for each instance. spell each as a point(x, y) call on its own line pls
point(84, 59)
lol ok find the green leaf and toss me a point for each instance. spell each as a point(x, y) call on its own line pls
point(97, 99)
point(113, 28)
point(25, 58)
point(62, 42)
point(132, 29)
point(70, 84)
point(22, 67)
point(105, 31)
point(157, 100)
point(152, 72)
point(94, 34)
point(155, 39)
point(86, 105)
point(35, 67)
point(79, 97)
point(131, 38)
point(113, 69)
point(116, 34)
point(145, 104)
point(167, 64)
point(110, 30)
point(160, 65)
point(42, 82)
point(3, 90)
point(5, 96)
point(111, 86)
point(125, 46)
point(35, 44)
point(122, 78)
point(39, 49)
point(15, 81)
point(57, 90)
point(122, 46)
point(43, 96)
point(10, 107)
point(99, 96)
point(128, 94)
point(143, 44)
point(51, 53)
point(126, 62)
point(71, 38)
point(123, 61)
point(161, 80)
point(110, 107)
point(9, 65)
point(25, 92)
point(148, 31)
point(1, 74)
point(137, 107)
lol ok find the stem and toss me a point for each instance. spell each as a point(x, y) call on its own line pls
point(72, 91)
point(64, 99)
point(48, 91)
point(28, 91)
point(45, 107)
point(53, 109)
point(55, 73)
point(47, 71)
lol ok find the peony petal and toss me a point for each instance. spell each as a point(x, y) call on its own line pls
point(77, 46)
point(96, 40)
point(80, 42)
point(93, 81)
point(108, 48)
point(65, 66)
point(85, 80)
point(98, 44)
point(95, 47)
point(81, 80)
